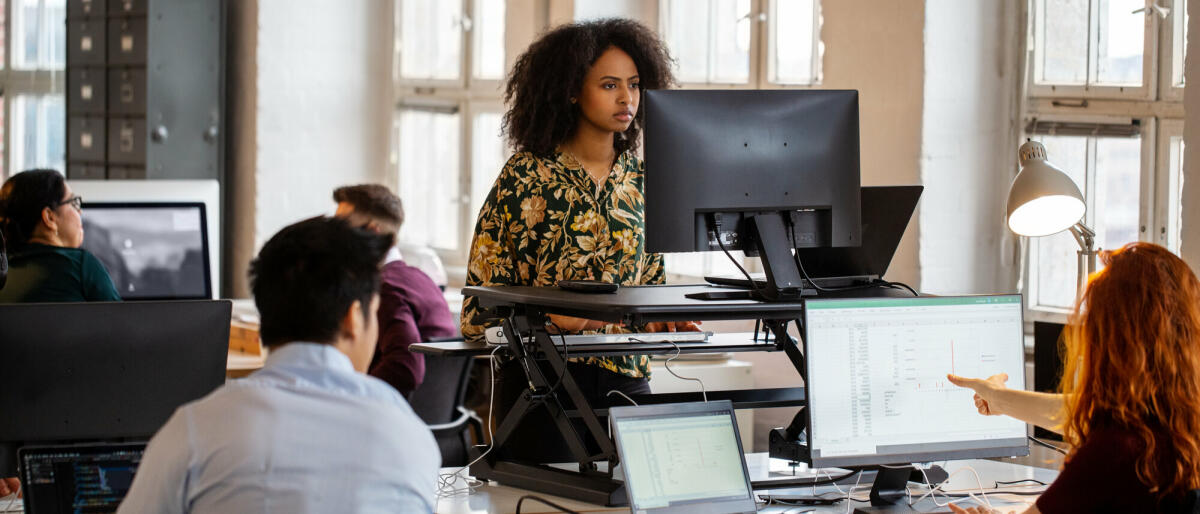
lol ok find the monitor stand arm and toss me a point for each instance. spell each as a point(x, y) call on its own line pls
point(783, 276)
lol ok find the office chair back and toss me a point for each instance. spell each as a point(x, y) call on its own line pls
point(439, 401)
point(3, 261)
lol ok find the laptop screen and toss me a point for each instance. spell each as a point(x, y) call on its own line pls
point(682, 458)
point(85, 478)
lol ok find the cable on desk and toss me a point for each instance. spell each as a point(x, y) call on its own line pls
point(614, 391)
point(542, 501)
point(1014, 482)
point(446, 480)
point(1040, 442)
point(753, 284)
point(667, 364)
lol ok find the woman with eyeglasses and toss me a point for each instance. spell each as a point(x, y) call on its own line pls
point(42, 228)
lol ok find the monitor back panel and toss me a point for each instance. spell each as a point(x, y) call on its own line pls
point(745, 152)
point(79, 478)
point(84, 371)
point(876, 378)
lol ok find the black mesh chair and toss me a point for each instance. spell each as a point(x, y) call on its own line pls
point(1191, 503)
point(3, 261)
point(440, 401)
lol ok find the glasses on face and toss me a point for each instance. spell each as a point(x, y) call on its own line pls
point(74, 201)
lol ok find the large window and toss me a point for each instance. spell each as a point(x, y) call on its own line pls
point(449, 61)
point(743, 43)
point(32, 105)
point(1104, 98)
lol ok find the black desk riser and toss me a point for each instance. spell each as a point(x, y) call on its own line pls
point(523, 310)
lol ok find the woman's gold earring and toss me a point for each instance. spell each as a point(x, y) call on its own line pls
point(572, 99)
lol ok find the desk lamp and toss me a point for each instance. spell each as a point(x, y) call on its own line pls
point(1043, 200)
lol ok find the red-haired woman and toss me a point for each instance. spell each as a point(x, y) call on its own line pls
point(1130, 403)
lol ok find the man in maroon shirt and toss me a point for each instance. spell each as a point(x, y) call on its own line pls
point(411, 307)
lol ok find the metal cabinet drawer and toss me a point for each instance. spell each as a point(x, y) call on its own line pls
point(127, 41)
point(127, 7)
point(84, 171)
point(127, 141)
point(127, 91)
point(86, 90)
point(85, 42)
point(85, 139)
point(126, 173)
point(85, 8)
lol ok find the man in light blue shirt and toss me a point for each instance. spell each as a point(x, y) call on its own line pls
point(310, 432)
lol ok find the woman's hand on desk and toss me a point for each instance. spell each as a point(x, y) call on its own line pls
point(9, 486)
point(985, 391)
point(985, 510)
point(673, 326)
point(573, 324)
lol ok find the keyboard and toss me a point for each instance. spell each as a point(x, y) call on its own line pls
point(495, 336)
point(11, 503)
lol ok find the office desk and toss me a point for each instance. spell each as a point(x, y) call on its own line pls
point(523, 314)
point(494, 497)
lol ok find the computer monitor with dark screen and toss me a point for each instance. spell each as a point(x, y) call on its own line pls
point(760, 171)
point(78, 478)
point(152, 251)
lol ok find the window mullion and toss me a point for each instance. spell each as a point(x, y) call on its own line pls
point(466, 162)
point(1093, 42)
point(1149, 182)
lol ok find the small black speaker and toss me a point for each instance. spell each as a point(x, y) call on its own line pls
point(1047, 364)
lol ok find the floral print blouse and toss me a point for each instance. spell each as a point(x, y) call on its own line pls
point(545, 220)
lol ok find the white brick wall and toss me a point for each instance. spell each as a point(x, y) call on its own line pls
point(968, 146)
point(313, 98)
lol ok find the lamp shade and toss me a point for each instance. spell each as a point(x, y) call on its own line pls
point(1042, 200)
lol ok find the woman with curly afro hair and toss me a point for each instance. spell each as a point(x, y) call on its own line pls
point(568, 204)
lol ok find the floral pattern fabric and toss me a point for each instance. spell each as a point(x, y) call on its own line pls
point(545, 220)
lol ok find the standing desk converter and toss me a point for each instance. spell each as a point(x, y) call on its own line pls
point(523, 312)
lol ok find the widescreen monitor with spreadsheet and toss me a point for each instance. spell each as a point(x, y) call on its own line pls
point(682, 457)
point(876, 378)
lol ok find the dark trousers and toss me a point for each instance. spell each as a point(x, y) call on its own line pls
point(536, 438)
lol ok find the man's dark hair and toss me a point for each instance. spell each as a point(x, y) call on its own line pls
point(373, 200)
point(309, 274)
point(22, 199)
point(551, 71)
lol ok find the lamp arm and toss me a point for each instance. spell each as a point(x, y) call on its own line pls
point(1086, 237)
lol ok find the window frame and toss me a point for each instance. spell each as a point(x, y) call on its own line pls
point(1171, 41)
point(1150, 51)
point(762, 12)
point(14, 83)
point(1168, 195)
point(1158, 109)
point(466, 96)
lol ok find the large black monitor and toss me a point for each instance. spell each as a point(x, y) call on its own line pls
point(875, 381)
point(152, 250)
point(759, 171)
point(104, 371)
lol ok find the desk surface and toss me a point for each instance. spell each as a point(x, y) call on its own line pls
point(718, 343)
point(643, 303)
point(494, 497)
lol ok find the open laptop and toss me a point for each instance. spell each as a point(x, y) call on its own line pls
point(682, 457)
point(78, 478)
point(886, 211)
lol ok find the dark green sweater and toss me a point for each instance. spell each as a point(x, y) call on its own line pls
point(41, 273)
